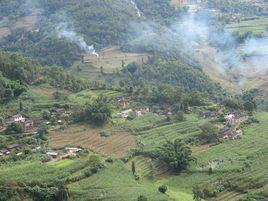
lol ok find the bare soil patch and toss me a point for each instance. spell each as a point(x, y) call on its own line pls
point(117, 145)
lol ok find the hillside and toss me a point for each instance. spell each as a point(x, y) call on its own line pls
point(133, 100)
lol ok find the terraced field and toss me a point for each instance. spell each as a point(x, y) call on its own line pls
point(85, 96)
point(242, 163)
point(114, 183)
point(154, 137)
point(256, 26)
point(143, 123)
point(148, 168)
point(35, 171)
point(117, 145)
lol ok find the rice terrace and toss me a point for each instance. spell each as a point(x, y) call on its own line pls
point(134, 100)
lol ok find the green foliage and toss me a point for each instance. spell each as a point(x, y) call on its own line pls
point(198, 194)
point(209, 133)
point(99, 111)
point(142, 198)
point(176, 154)
point(14, 128)
point(162, 189)
point(156, 82)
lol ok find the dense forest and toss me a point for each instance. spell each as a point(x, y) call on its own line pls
point(44, 43)
point(17, 71)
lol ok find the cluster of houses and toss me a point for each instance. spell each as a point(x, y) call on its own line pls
point(123, 101)
point(69, 151)
point(59, 116)
point(228, 133)
point(27, 123)
point(137, 111)
point(235, 118)
point(11, 148)
point(213, 115)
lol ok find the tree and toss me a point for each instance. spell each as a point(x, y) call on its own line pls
point(162, 189)
point(14, 128)
point(99, 111)
point(21, 106)
point(198, 194)
point(176, 154)
point(133, 167)
point(209, 133)
point(41, 133)
point(249, 106)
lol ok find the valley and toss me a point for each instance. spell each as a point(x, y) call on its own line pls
point(141, 100)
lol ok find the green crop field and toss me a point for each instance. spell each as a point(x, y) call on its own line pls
point(154, 137)
point(242, 164)
point(109, 185)
point(144, 122)
point(256, 26)
point(35, 171)
point(87, 95)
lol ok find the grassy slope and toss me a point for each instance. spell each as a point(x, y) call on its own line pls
point(256, 26)
point(232, 156)
point(154, 137)
point(115, 183)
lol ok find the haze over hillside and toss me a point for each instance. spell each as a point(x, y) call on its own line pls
point(133, 100)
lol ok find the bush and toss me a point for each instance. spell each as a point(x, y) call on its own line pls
point(105, 134)
point(162, 189)
point(109, 160)
point(14, 128)
point(142, 198)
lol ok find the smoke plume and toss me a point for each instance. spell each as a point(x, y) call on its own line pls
point(136, 7)
point(195, 35)
point(64, 32)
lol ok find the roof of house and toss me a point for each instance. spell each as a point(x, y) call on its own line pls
point(13, 146)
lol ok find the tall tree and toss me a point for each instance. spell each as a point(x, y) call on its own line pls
point(176, 154)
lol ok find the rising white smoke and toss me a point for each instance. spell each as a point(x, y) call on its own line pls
point(64, 32)
point(136, 7)
point(197, 33)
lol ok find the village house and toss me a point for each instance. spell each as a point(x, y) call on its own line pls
point(142, 111)
point(4, 151)
point(210, 114)
point(233, 118)
point(27, 123)
point(72, 150)
point(14, 147)
point(123, 101)
point(18, 118)
point(53, 155)
point(228, 133)
point(125, 113)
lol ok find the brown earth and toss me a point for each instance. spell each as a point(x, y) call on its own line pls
point(4, 31)
point(27, 22)
point(117, 145)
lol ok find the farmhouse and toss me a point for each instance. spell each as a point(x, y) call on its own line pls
point(18, 118)
point(27, 123)
point(228, 133)
point(125, 113)
point(14, 147)
point(53, 155)
point(72, 150)
point(210, 114)
point(233, 118)
point(123, 101)
point(141, 111)
point(4, 151)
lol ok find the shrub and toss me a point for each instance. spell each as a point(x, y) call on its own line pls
point(109, 160)
point(142, 198)
point(162, 189)
point(105, 134)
